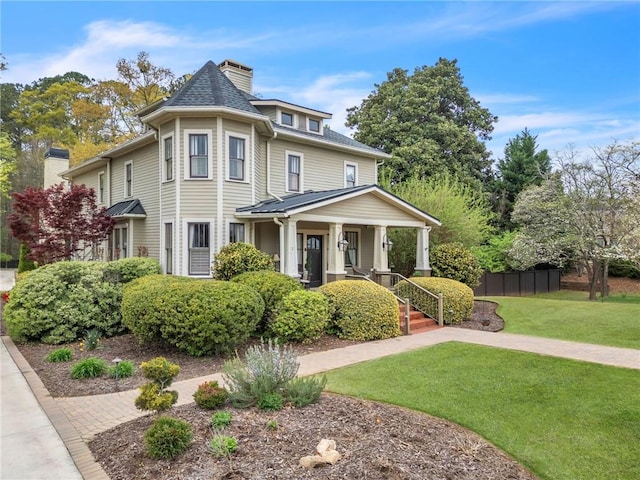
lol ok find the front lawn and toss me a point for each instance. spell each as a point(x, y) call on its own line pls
point(560, 418)
point(616, 324)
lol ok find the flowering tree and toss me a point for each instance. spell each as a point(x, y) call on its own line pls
point(58, 222)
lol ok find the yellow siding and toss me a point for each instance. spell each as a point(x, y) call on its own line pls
point(367, 207)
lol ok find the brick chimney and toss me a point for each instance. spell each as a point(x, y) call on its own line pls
point(56, 161)
point(240, 75)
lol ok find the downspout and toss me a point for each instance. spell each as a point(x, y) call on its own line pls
point(378, 165)
point(280, 242)
point(269, 192)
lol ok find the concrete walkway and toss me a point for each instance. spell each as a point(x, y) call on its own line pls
point(78, 419)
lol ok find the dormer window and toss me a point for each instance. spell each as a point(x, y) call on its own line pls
point(286, 118)
point(314, 125)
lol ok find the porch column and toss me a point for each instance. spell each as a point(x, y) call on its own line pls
point(380, 255)
point(290, 259)
point(422, 252)
point(335, 270)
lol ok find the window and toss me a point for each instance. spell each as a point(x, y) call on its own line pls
point(119, 242)
point(168, 158)
point(351, 253)
point(314, 125)
point(128, 179)
point(350, 175)
point(299, 252)
point(236, 232)
point(168, 248)
point(101, 187)
point(236, 158)
point(287, 118)
point(199, 256)
point(294, 172)
point(198, 156)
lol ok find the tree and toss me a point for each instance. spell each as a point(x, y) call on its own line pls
point(589, 213)
point(429, 122)
point(521, 166)
point(58, 222)
point(464, 213)
point(7, 163)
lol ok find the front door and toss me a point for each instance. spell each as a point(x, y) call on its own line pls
point(314, 260)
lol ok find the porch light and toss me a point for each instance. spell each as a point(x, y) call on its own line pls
point(387, 244)
point(342, 243)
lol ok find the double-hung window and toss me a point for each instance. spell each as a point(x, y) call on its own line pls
point(236, 157)
point(101, 187)
point(236, 232)
point(168, 158)
point(168, 248)
point(294, 172)
point(199, 249)
point(351, 252)
point(128, 179)
point(350, 175)
point(198, 155)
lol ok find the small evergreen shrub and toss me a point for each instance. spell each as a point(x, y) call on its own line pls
point(454, 261)
point(64, 354)
point(221, 420)
point(161, 371)
point(303, 391)
point(124, 369)
point(302, 316)
point(222, 445)
point(624, 268)
point(273, 287)
point(457, 297)
point(239, 257)
point(125, 270)
point(153, 395)
point(168, 437)
point(210, 395)
point(363, 310)
point(89, 368)
point(270, 401)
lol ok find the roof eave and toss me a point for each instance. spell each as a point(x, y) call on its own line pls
point(155, 117)
point(292, 106)
point(338, 146)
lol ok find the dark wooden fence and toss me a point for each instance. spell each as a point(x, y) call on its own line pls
point(515, 284)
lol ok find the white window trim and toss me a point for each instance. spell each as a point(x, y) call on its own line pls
point(126, 193)
point(247, 156)
point(129, 238)
point(294, 121)
point(359, 246)
point(317, 132)
point(163, 245)
point(185, 244)
point(187, 153)
point(286, 170)
point(102, 195)
point(228, 223)
point(352, 164)
point(164, 162)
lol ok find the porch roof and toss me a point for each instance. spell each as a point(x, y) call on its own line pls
point(304, 202)
point(127, 209)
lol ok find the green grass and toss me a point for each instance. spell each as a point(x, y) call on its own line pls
point(560, 418)
point(564, 316)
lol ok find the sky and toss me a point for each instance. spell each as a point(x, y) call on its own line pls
point(569, 71)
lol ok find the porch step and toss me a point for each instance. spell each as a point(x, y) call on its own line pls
point(418, 323)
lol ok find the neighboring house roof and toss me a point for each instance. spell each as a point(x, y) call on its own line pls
point(302, 202)
point(210, 87)
point(127, 208)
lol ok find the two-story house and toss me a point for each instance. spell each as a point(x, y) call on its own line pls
point(218, 164)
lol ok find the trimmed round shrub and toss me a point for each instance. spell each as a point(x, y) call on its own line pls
point(457, 297)
point(168, 437)
point(127, 269)
point(454, 261)
point(363, 310)
point(210, 395)
point(200, 317)
point(273, 287)
point(239, 257)
point(56, 303)
point(302, 316)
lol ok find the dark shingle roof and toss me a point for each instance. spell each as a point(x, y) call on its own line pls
point(126, 207)
point(297, 200)
point(329, 136)
point(209, 87)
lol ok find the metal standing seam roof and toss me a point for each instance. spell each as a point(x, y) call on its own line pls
point(126, 207)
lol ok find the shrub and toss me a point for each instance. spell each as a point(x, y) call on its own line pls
point(624, 268)
point(160, 371)
point(493, 255)
point(270, 401)
point(25, 264)
point(363, 310)
point(57, 302)
point(221, 420)
point(302, 316)
point(89, 368)
point(273, 287)
point(303, 391)
point(153, 395)
point(210, 395)
point(90, 339)
point(126, 270)
point(454, 261)
point(200, 317)
point(64, 354)
point(239, 257)
point(457, 297)
point(124, 369)
point(222, 445)
point(168, 437)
